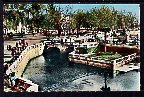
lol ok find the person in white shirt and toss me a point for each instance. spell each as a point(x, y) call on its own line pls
point(12, 78)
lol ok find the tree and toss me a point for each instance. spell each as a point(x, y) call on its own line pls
point(13, 15)
point(51, 17)
point(78, 20)
point(54, 16)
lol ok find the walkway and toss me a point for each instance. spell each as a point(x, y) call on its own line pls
point(127, 68)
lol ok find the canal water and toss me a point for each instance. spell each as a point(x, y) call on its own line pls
point(54, 73)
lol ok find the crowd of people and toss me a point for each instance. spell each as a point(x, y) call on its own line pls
point(15, 52)
point(16, 84)
point(20, 46)
point(10, 80)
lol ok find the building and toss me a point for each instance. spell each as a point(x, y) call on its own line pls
point(65, 23)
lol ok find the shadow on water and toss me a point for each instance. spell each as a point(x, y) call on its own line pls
point(55, 57)
point(55, 60)
point(53, 69)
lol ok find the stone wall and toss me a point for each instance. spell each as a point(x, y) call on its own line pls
point(20, 64)
point(117, 63)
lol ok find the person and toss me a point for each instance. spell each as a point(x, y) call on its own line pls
point(19, 42)
point(17, 54)
point(6, 68)
point(62, 41)
point(26, 43)
point(23, 47)
point(65, 40)
point(7, 81)
point(8, 47)
point(12, 78)
point(16, 44)
point(128, 30)
point(16, 82)
point(33, 33)
point(48, 34)
point(13, 52)
point(11, 35)
point(23, 41)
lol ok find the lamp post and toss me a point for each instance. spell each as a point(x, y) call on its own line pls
point(105, 88)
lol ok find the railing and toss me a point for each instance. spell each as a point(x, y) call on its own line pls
point(123, 60)
point(114, 63)
point(19, 65)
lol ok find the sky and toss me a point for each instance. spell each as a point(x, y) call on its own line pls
point(134, 8)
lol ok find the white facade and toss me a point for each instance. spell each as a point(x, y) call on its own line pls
point(20, 28)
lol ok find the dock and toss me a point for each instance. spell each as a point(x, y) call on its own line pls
point(127, 68)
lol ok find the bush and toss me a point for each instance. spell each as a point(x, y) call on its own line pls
point(92, 50)
point(105, 53)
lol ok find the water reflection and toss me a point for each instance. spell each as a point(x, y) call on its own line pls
point(55, 73)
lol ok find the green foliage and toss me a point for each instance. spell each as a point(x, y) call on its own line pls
point(92, 50)
point(110, 57)
point(107, 55)
point(103, 17)
point(49, 17)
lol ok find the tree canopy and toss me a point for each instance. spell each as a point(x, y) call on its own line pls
point(49, 16)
